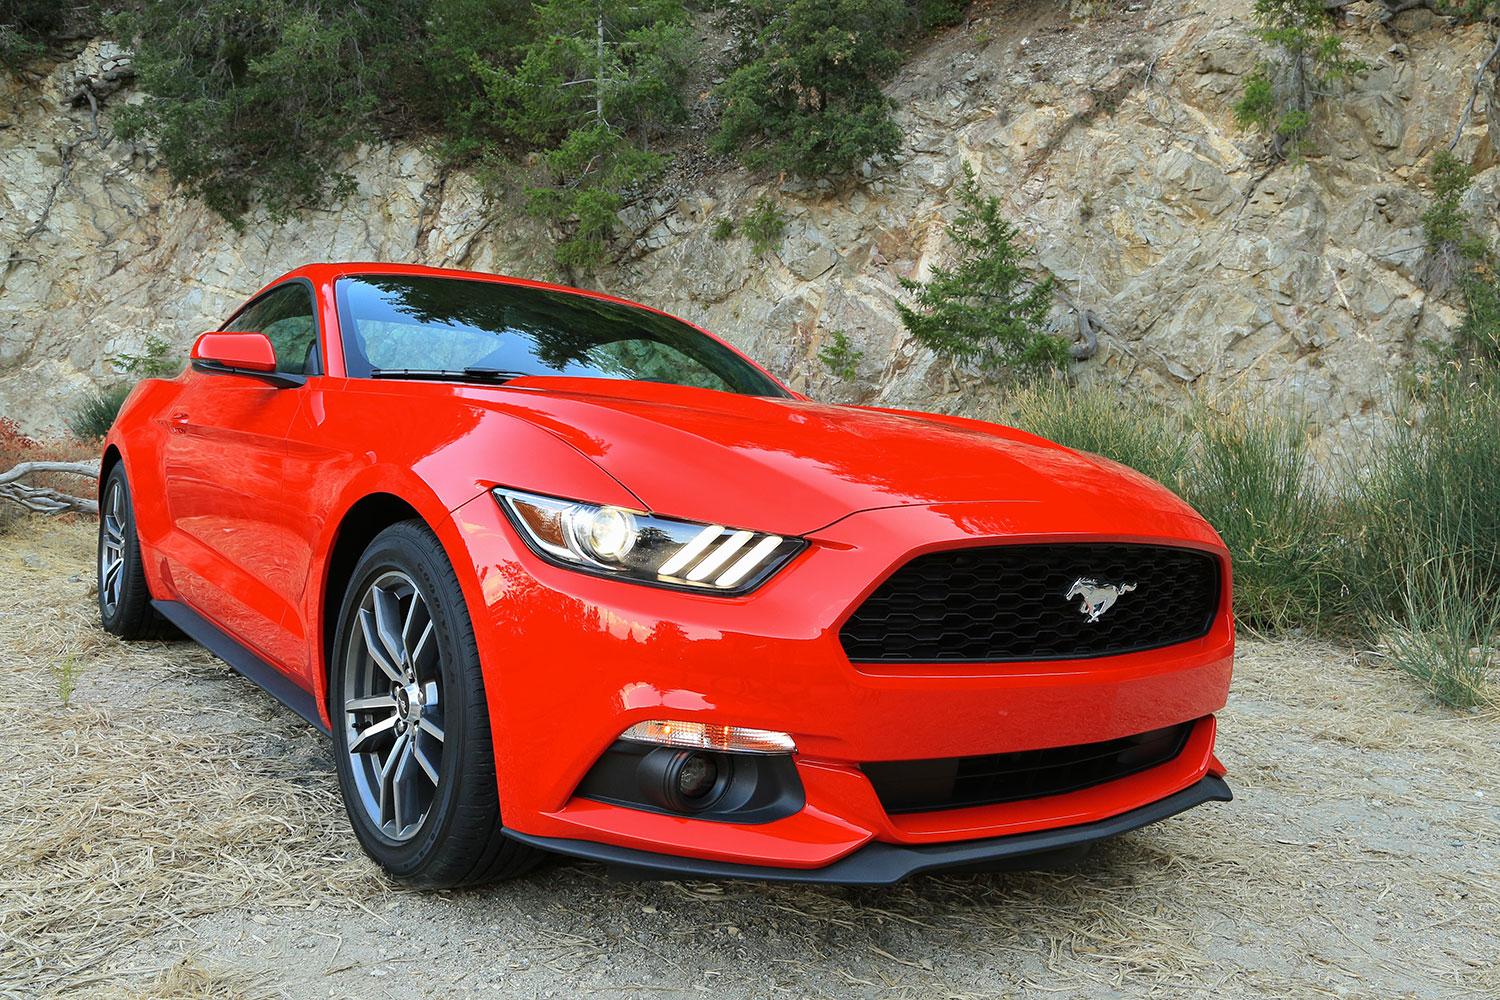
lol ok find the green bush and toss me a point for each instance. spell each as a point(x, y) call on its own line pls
point(254, 101)
point(94, 415)
point(1442, 635)
point(156, 360)
point(1430, 493)
point(595, 81)
point(986, 310)
point(1478, 337)
point(1309, 60)
point(1425, 550)
point(28, 27)
point(1444, 224)
point(92, 418)
point(1458, 252)
point(723, 230)
point(1253, 480)
point(764, 226)
point(588, 174)
point(259, 102)
point(805, 97)
point(929, 15)
point(840, 357)
point(438, 87)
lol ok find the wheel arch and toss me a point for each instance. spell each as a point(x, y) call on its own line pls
point(366, 517)
point(107, 462)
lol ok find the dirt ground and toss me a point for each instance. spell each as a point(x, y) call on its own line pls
point(166, 830)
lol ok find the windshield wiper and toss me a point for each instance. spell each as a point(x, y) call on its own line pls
point(495, 375)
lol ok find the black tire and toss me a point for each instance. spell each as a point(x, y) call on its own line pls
point(457, 841)
point(124, 599)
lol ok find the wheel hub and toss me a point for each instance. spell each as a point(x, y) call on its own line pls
point(408, 703)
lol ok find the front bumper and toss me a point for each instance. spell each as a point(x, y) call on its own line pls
point(886, 864)
point(571, 661)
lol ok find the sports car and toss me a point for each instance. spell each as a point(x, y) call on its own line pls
point(561, 573)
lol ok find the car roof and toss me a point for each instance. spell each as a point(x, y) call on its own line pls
point(325, 271)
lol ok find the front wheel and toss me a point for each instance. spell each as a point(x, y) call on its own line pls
point(410, 721)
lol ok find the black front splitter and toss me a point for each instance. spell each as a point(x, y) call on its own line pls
point(879, 863)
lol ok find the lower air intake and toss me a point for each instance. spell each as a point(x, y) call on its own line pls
point(910, 786)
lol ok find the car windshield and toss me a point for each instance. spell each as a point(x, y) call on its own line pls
point(432, 327)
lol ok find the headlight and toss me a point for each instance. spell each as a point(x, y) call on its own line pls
point(613, 541)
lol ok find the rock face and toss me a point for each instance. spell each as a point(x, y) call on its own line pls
point(1112, 143)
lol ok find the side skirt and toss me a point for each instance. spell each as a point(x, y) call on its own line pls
point(275, 683)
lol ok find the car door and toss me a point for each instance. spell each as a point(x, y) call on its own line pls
point(231, 555)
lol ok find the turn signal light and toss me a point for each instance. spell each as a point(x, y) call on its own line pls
point(710, 736)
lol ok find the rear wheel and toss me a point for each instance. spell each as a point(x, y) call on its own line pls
point(124, 600)
point(411, 725)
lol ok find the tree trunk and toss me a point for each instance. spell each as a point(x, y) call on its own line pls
point(599, 68)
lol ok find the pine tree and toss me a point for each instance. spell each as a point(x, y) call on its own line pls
point(986, 310)
point(597, 82)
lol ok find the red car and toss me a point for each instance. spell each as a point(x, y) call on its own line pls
point(562, 573)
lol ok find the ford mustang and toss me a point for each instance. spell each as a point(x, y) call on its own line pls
point(561, 573)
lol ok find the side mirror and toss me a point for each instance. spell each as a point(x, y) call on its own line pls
point(222, 352)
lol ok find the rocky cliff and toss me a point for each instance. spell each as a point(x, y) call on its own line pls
point(1112, 142)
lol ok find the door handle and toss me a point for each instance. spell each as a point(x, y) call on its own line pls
point(178, 421)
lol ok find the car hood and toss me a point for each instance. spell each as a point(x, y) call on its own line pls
point(791, 466)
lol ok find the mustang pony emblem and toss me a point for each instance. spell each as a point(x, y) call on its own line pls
point(1097, 597)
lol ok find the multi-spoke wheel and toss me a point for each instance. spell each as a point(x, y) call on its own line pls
point(411, 722)
point(124, 600)
point(112, 546)
point(393, 708)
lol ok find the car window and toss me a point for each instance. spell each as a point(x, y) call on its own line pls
point(395, 323)
point(285, 316)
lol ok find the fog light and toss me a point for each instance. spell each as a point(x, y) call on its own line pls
point(697, 776)
point(684, 781)
point(710, 736)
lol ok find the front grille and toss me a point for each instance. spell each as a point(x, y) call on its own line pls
point(908, 786)
point(1008, 602)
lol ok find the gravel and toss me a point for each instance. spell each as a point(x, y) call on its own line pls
point(172, 832)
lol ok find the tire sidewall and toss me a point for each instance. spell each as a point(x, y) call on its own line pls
point(401, 549)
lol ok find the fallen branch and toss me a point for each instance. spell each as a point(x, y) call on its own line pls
point(1088, 344)
point(1463, 122)
point(45, 499)
point(1089, 328)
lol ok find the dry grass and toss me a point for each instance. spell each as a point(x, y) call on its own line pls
point(173, 833)
point(189, 980)
point(133, 809)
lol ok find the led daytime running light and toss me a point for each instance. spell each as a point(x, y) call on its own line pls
point(634, 545)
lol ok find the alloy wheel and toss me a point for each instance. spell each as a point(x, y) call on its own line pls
point(393, 713)
point(112, 548)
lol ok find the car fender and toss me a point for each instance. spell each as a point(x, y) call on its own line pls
point(438, 479)
point(137, 436)
point(406, 485)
